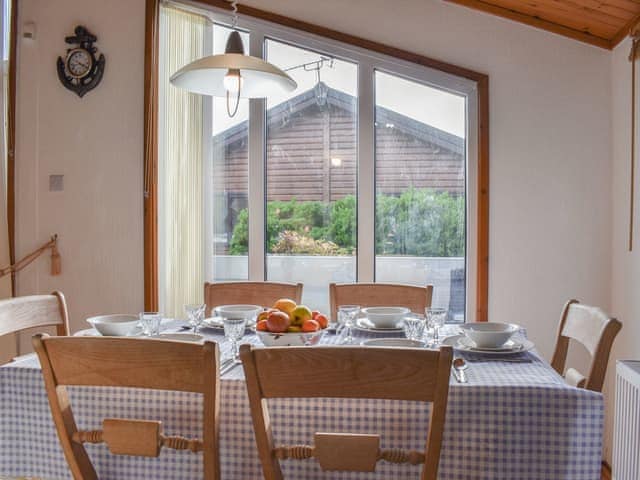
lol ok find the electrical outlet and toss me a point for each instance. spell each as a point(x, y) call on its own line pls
point(56, 183)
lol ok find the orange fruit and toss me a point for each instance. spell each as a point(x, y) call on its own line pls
point(322, 320)
point(262, 326)
point(310, 326)
point(285, 305)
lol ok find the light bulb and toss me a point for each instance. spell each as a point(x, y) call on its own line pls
point(233, 81)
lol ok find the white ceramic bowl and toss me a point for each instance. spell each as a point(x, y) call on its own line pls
point(385, 317)
point(238, 311)
point(488, 334)
point(118, 325)
point(270, 339)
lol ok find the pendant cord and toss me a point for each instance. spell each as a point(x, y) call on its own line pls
point(234, 7)
point(235, 110)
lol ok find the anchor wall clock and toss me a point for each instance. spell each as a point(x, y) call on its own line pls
point(81, 69)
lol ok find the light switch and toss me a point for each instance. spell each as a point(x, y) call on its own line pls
point(56, 183)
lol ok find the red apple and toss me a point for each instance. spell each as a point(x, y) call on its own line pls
point(278, 322)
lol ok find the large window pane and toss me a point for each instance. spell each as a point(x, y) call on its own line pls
point(228, 181)
point(311, 173)
point(420, 189)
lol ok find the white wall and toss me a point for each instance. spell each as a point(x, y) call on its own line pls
point(626, 265)
point(550, 151)
point(97, 144)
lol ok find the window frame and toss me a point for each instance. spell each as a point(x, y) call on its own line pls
point(370, 56)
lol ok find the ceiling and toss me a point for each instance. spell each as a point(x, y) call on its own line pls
point(599, 22)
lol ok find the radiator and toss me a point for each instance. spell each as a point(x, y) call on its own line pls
point(626, 433)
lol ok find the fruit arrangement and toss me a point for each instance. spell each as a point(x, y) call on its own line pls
point(287, 317)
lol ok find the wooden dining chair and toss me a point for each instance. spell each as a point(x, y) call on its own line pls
point(264, 294)
point(379, 295)
point(596, 331)
point(347, 372)
point(129, 363)
point(21, 313)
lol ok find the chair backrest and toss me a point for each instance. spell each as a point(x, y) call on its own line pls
point(132, 363)
point(596, 331)
point(379, 295)
point(347, 372)
point(20, 313)
point(264, 294)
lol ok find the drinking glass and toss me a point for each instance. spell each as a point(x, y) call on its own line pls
point(435, 319)
point(150, 323)
point(195, 315)
point(346, 316)
point(414, 327)
point(233, 332)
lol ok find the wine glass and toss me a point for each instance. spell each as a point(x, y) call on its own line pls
point(435, 319)
point(195, 315)
point(346, 316)
point(233, 332)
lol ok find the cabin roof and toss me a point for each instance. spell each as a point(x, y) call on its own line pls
point(294, 106)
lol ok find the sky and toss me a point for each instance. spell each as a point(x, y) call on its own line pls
point(423, 103)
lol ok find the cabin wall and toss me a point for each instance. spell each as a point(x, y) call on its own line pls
point(300, 149)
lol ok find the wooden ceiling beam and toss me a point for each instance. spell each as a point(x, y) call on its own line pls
point(624, 32)
point(538, 22)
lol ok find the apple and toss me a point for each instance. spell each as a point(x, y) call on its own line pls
point(300, 315)
point(278, 322)
point(314, 314)
point(262, 326)
point(285, 305)
point(310, 326)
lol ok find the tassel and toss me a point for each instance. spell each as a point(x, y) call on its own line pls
point(56, 263)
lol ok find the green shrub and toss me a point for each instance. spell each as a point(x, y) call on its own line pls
point(419, 222)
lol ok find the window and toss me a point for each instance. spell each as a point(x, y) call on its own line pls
point(226, 183)
point(311, 150)
point(367, 172)
point(420, 188)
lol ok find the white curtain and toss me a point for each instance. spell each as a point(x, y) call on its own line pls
point(180, 182)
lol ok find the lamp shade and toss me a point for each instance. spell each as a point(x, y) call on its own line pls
point(259, 78)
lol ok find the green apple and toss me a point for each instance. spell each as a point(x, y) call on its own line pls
point(299, 315)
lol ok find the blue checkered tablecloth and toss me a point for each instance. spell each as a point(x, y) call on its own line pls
point(511, 421)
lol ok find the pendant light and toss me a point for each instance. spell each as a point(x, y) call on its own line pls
point(233, 74)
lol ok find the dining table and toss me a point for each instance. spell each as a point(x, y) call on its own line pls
point(515, 418)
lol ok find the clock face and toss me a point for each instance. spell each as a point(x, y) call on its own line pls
point(79, 63)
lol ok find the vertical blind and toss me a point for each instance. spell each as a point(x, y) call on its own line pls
point(182, 36)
